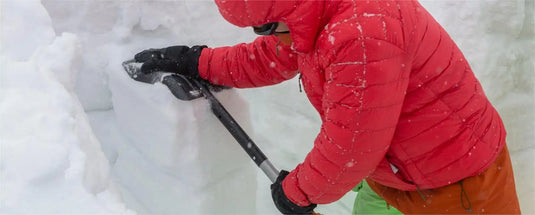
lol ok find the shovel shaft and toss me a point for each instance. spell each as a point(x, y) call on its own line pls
point(239, 134)
point(271, 172)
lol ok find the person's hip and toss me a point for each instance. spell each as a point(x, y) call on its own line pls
point(492, 191)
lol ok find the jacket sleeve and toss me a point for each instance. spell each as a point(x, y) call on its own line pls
point(263, 62)
point(361, 103)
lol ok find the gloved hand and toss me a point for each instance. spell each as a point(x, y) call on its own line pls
point(282, 202)
point(181, 60)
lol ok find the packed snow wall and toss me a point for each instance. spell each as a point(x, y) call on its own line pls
point(171, 156)
point(50, 160)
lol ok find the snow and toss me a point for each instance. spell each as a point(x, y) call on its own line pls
point(48, 152)
point(77, 135)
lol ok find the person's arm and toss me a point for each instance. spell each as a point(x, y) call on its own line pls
point(365, 86)
point(249, 65)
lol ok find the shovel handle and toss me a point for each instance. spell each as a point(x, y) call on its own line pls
point(231, 125)
point(238, 133)
point(180, 88)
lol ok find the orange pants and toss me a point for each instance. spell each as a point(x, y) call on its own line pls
point(491, 192)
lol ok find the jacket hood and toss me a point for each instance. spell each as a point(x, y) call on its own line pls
point(304, 18)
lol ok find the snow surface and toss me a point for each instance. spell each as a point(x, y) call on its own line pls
point(78, 136)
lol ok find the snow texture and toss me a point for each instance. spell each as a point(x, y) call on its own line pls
point(77, 135)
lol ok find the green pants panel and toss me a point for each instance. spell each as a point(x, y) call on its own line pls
point(368, 202)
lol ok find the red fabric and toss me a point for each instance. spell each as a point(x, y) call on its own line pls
point(391, 87)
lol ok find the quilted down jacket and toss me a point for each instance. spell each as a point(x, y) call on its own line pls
point(397, 99)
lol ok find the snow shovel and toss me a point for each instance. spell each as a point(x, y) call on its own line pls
point(187, 89)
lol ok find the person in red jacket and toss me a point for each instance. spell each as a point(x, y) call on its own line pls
point(398, 101)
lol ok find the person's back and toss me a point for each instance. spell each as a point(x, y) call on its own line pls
point(447, 129)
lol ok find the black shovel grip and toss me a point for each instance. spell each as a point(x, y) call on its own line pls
point(181, 88)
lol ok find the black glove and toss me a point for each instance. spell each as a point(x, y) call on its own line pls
point(282, 202)
point(181, 60)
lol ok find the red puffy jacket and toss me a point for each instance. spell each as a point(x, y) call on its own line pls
point(397, 99)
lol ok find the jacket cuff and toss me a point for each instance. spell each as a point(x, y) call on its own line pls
point(290, 186)
point(204, 63)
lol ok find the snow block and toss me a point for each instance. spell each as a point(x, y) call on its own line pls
point(182, 159)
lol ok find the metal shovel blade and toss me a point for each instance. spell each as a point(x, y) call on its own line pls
point(133, 69)
point(180, 86)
